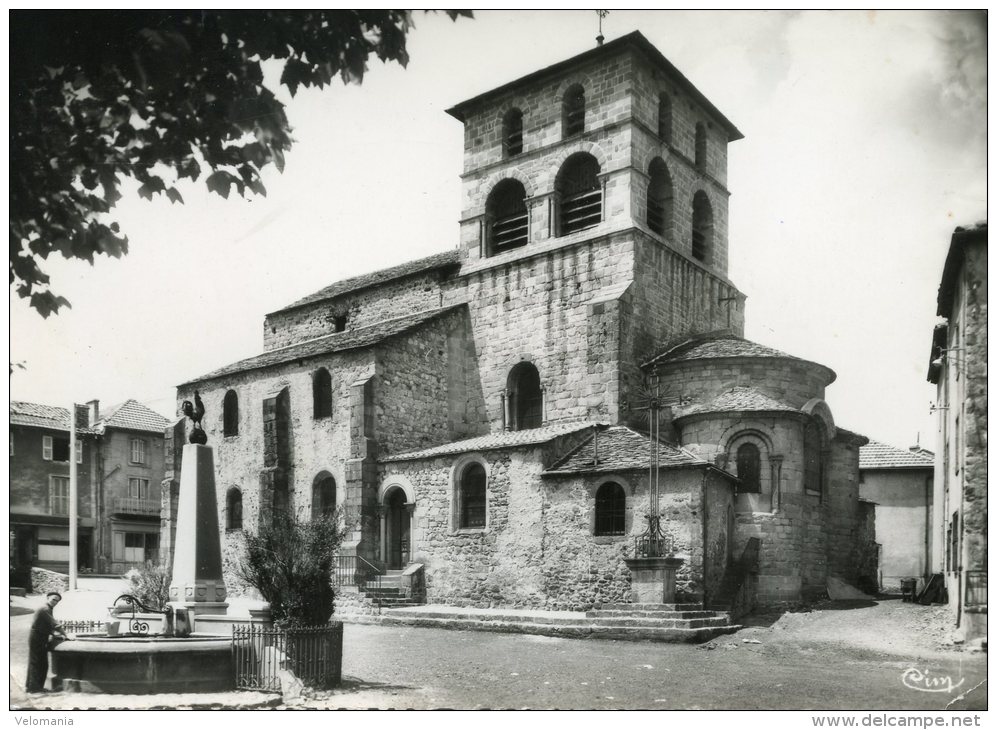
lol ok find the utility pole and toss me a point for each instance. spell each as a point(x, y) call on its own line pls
point(73, 491)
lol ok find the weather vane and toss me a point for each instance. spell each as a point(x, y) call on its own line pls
point(602, 14)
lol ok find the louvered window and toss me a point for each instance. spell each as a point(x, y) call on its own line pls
point(508, 216)
point(659, 198)
point(579, 194)
point(702, 227)
point(512, 133)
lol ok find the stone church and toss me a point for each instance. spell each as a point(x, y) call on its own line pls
point(485, 415)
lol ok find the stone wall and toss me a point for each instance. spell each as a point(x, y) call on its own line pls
point(538, 549)
point(537, 310)
point(393, 299)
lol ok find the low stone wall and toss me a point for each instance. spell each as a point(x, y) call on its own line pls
point(44, 581)
point(353, 603)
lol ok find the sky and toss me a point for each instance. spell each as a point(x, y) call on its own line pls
point(865, 145)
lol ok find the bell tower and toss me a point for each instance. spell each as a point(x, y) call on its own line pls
point(594, 211)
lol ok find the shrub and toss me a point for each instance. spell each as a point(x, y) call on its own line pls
point(289, 561)
point(150, 584)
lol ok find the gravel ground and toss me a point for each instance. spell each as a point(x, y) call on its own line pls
point(838, 656)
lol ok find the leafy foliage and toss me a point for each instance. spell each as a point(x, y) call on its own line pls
point(289, 561)
point(158, 96)
point(151, 585)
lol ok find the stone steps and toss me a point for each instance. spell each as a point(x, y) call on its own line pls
point(580, 629)
point(610, 613)
point(650, 607)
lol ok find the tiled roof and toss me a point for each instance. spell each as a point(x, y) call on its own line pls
point(498, 440)
point(877, 455)
point(436, 261)
point(715, 345)
point(36, 414)
point(131, 415)
point(336, 342)
point(736, 399)
point(620, 449)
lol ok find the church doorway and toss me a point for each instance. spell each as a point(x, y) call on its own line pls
point(398, 529)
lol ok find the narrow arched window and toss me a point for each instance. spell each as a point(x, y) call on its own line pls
point(230, 414)
point(233, 509)
point(323, 495)
point(701, 146)
point(512, 133)
point(573, 111)
point(322, 393)
point(749, 468)
point(813, 457)
point(665, 118)
point(579, 194)
point(659, 198)
point(610, 510)
point(702, 228)
point(471, 497)
point(508, 221)
point(525, 397)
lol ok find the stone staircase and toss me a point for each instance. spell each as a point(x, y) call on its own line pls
point(664, 622)
point(389, 593)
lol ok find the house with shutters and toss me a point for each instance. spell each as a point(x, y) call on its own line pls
point(496, 417)
point(119, 466)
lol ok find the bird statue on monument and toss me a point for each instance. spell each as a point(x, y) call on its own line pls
point(195, 412)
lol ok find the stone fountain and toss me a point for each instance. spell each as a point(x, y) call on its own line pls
point(164, 652)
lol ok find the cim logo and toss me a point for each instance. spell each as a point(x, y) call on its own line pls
point(914, 678)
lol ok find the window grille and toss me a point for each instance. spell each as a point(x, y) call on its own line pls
point(472, 497)
point(574, 111)
point(610, 510)
point(512, 133)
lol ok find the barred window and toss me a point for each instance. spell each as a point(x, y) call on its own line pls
point(610, 510)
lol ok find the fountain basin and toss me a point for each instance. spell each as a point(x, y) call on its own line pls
point(143, 664)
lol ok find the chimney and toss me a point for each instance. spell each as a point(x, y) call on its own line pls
point(81, 415)
point(93, 406)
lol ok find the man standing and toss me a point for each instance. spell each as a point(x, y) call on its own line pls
point(43, 627)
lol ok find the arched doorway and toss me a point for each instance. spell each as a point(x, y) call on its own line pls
point(398, 529)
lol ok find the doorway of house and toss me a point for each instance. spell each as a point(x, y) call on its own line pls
point(399, 529)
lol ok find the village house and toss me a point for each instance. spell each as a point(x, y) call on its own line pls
point(119, 458)
point(493, 418)
point(899, 482)
point(958, 367)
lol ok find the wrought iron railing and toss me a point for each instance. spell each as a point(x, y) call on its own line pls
point(653, 542)
point(354, 570)
point(135, 506)
point(83, 627)
point(312, 654)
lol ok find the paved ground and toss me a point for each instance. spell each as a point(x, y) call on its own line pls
point(844, 656)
